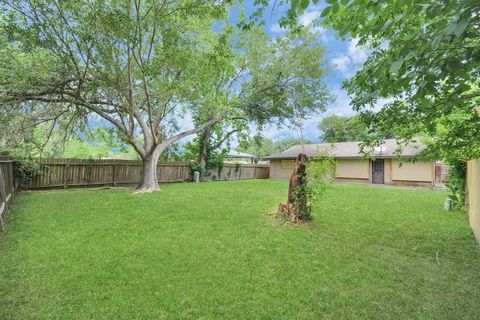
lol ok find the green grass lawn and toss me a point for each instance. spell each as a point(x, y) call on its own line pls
point(213, 250)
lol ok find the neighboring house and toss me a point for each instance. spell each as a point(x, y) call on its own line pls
point(239, 157)
point(385, 167)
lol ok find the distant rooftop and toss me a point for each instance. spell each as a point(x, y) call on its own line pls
point(351, 150)
point(236, 154)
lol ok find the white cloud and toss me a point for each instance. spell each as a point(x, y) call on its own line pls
point(308, 17)
point(342, 64)
point(319, 30)
point(308, 20)
point(341, 106)
point(348, 63)
point(356, 53)
point(275, 28)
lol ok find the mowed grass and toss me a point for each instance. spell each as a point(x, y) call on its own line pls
point(213, 251)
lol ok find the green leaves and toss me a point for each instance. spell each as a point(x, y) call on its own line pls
point(340, 129)
point(424, 58)
point(396, 66)
point(457, 26)
point(325, 12)
point(304, 4)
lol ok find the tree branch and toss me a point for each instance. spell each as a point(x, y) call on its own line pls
point(218, 144)
point(183, 134)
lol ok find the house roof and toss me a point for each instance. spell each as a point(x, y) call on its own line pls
point(351, 150)
point(236, 154)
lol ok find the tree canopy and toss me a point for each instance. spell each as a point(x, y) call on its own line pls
point(422, 75)
point(285, 86)
point(263, 146)
point(425, 59)
point(144, 66)
point(340, 129)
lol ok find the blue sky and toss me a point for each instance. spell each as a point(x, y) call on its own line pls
point(344, 56)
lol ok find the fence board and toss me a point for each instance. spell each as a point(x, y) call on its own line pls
point(473, 188)
point(64, 173)
point(238, 172)
point(7, 189)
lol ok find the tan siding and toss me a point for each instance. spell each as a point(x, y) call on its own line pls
point(354, 169)
point(473, 186)
point(278, 172)
point(409, 171)
point(388, 171)
point(419, 174)
point(287, 164)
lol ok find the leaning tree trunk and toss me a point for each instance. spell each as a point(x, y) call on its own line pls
point(296, 209)
point(148, 181)
point(204, 151)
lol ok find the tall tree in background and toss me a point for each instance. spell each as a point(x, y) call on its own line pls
point(340, 129)
point(262, 147)
point(275, 82)
point(140, 65)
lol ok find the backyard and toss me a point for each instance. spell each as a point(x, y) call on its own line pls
point(214, 250)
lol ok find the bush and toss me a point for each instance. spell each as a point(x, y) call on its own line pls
point(456, 183)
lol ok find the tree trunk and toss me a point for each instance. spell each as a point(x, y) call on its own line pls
point(296, 209)
point(204, 150)
point(148, 182)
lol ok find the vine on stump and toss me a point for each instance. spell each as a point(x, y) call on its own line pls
point(306, 185)
point(297, 209)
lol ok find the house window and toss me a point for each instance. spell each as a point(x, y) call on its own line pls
point(288, 164)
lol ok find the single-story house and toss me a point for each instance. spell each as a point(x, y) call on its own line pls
point(383, 167)
point(239, 157)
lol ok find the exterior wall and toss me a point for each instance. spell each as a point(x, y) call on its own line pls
point(387, 171)
point(281, 169)
point(353, 180)
point(352, 169)
point(345, 170)
point(420, 172)
point(473, 187)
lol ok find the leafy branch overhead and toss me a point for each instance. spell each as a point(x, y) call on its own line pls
point(422, 76)
point(425, 58)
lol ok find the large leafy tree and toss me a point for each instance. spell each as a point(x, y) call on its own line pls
point(277, 82)
point(139, 65)
point(340, 129)
point(425, 58)
point(343, 128)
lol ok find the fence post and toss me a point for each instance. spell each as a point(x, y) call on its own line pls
point(65, 176)
point(3, 194)
point(10, 165)
point(114, 181)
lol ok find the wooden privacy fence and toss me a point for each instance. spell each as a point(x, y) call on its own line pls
point(441, 173)
point(473, 189)
point(7, 189)
point(231, 171)
point(63, 173)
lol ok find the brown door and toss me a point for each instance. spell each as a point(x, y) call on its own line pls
point(378, 169)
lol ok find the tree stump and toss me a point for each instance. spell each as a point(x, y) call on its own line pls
point(296, 209)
